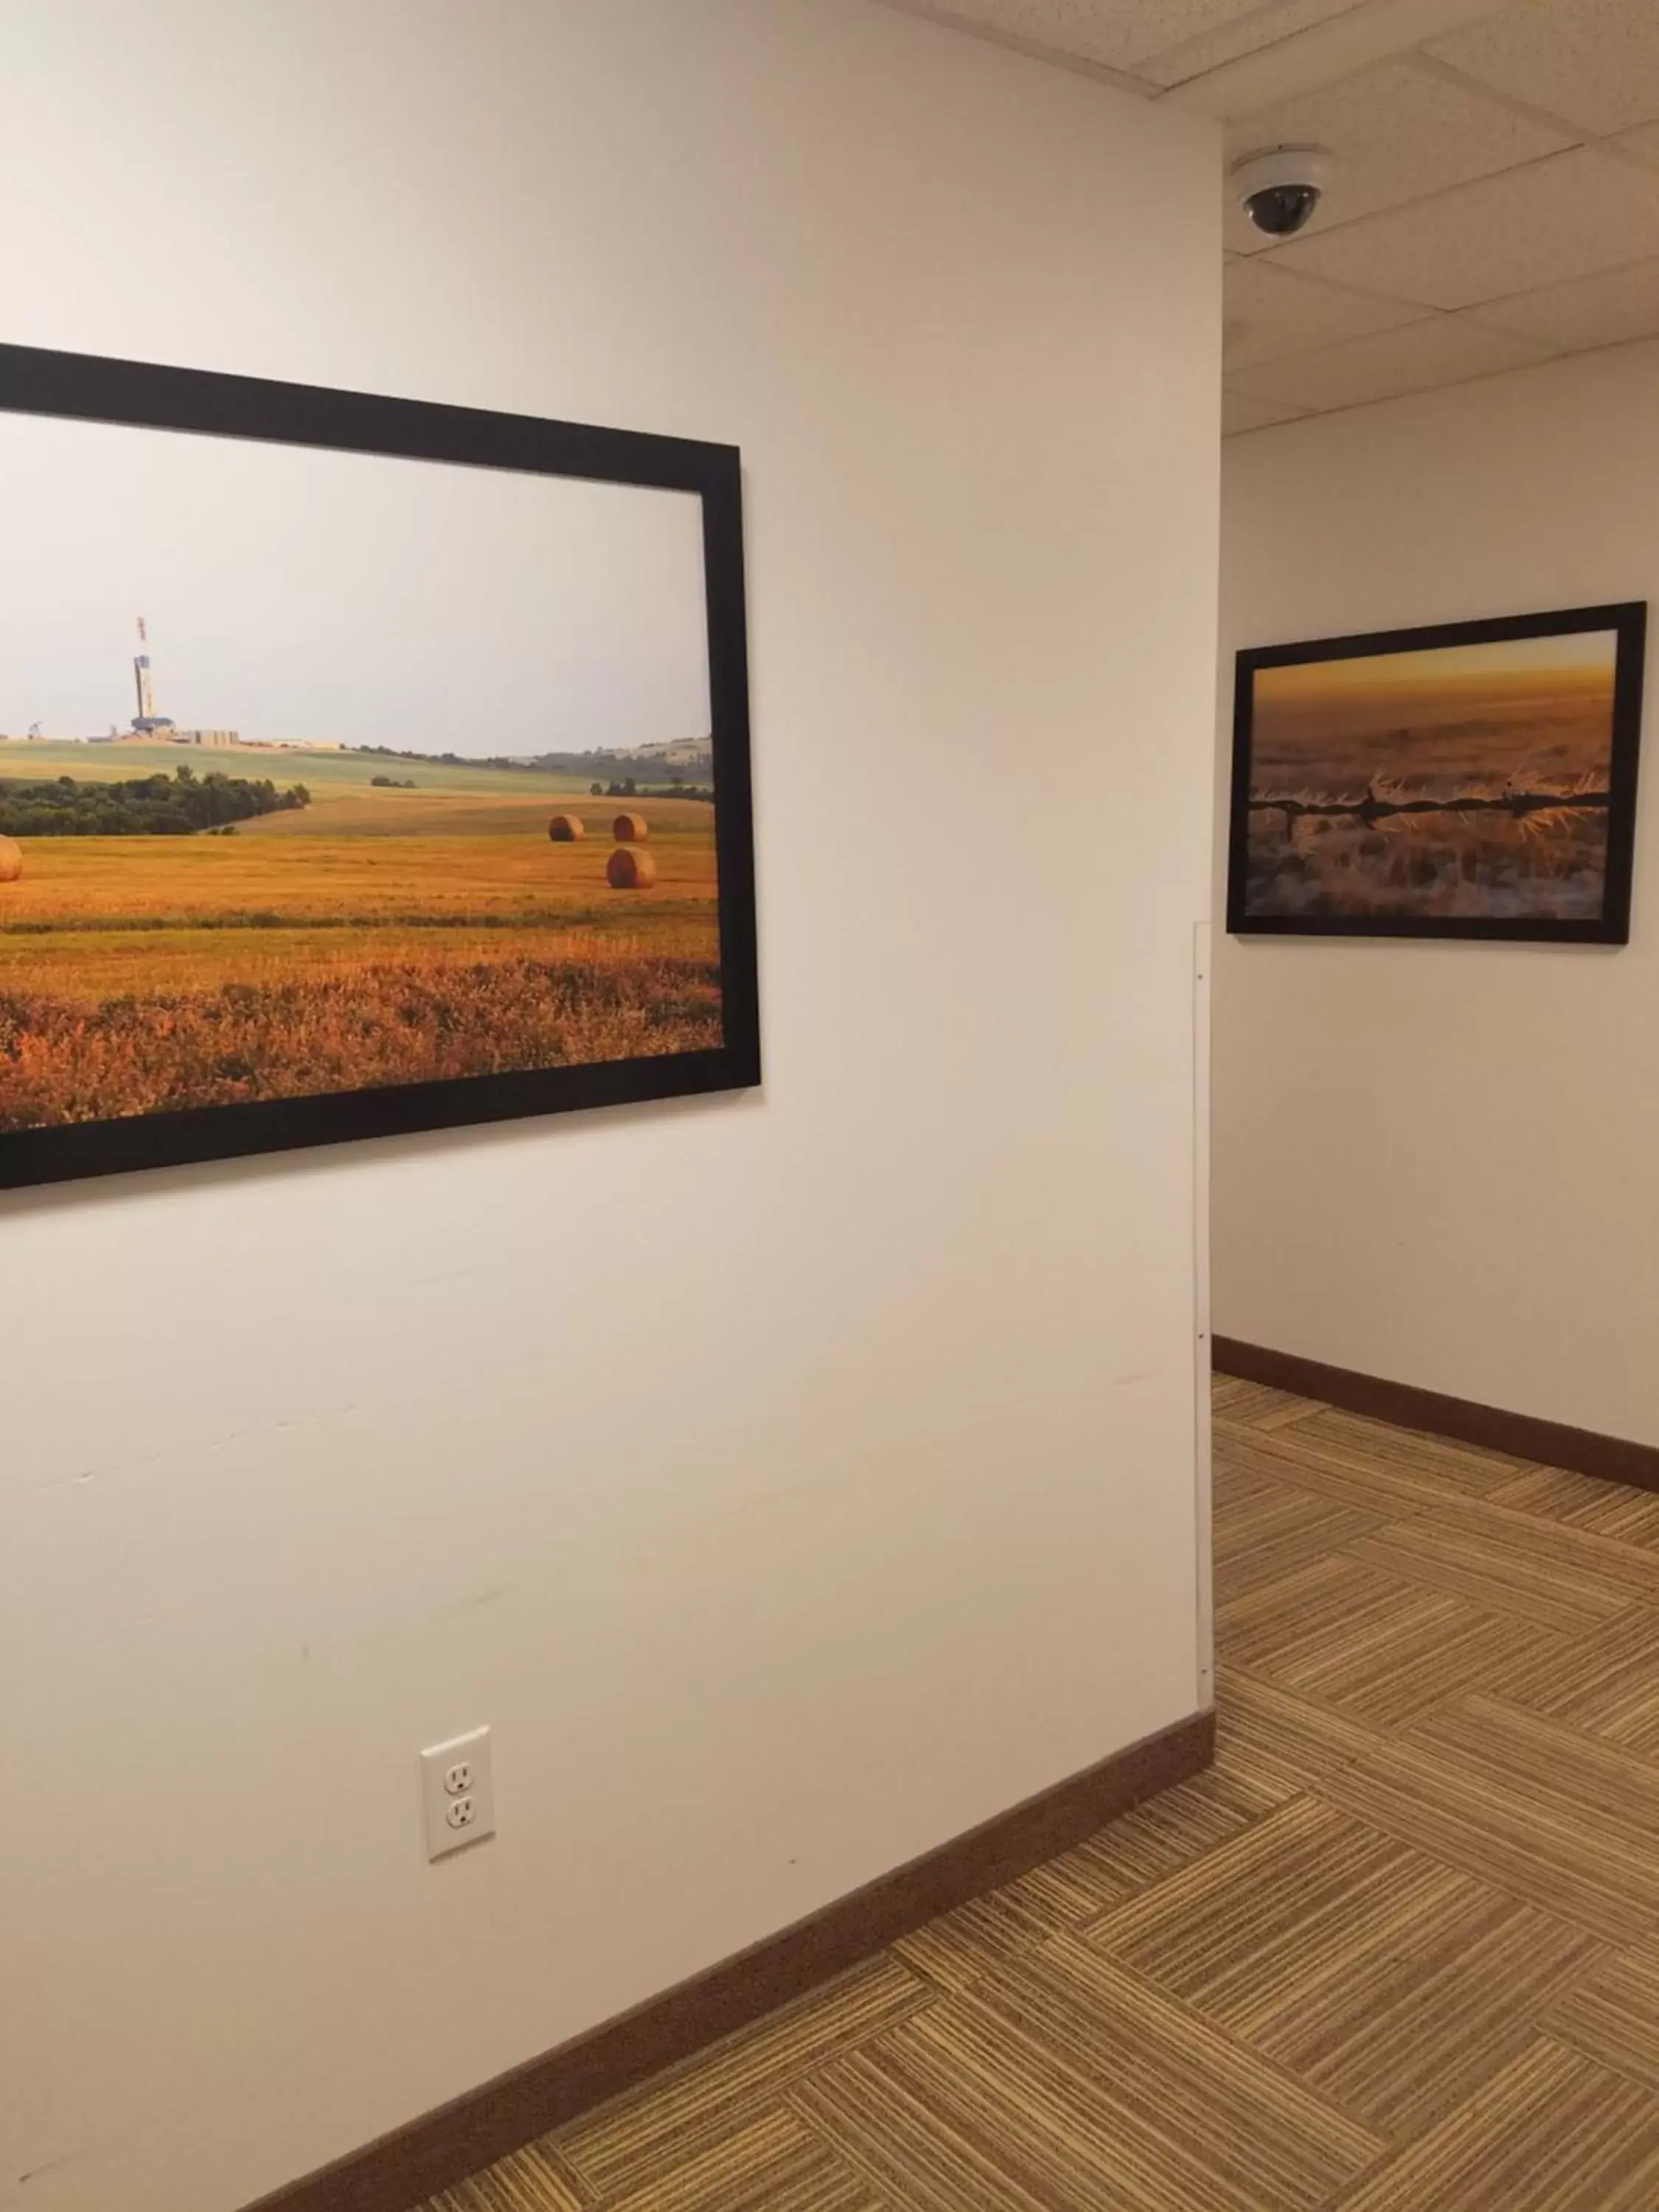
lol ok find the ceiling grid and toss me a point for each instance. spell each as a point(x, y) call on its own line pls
point(1495, 196)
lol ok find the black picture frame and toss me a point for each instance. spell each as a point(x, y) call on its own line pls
point(1626, 619)
point(147, 396)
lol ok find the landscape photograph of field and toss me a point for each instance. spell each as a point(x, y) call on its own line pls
point(322, 772)
point(1464, 783)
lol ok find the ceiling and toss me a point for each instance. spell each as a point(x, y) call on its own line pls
point(1495, 199)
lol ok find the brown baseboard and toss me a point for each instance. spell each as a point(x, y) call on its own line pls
point(1521, 1436)
point(435, 2152)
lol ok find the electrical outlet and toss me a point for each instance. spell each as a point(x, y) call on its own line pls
point(458, 1794)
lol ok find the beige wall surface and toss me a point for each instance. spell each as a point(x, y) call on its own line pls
point(1436, 1163)
point(791, 1480)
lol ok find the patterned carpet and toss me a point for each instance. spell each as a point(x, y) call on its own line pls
point(1397, 1952)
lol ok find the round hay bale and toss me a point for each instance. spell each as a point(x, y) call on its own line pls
point(629, 828)
point(11, 860)
point(630, 870)
point(565, 828)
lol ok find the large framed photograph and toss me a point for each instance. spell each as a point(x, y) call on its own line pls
point(366, 766)
point(1472, 779)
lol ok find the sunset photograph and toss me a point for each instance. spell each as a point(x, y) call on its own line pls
point(1467, 782)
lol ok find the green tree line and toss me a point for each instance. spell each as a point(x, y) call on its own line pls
point(142, 806)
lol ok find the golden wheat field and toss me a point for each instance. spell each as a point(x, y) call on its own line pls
point(1506, 759)
point(377, 937)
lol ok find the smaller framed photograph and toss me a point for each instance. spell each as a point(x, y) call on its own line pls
point(1470, 780)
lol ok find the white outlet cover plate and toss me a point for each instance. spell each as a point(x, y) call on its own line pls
point(455, 1775)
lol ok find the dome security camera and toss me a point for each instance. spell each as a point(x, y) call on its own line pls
point(1279, 188)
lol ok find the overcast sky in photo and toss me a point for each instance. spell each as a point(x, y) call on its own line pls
point(299, 594)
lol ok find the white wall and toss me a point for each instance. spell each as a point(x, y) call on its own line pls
point(792, 1480)
point(1436, 1163)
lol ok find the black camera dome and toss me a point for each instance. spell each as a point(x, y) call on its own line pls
point(1278, 187)
point(1282, 210)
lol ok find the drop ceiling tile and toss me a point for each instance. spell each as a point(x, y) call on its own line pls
point(1566, 216)
point(1193, 57)
point(1239, 413)
point(1117, 33)
point(1323, 54)
point(1593, 62)
point(1268, 313)
point(1397, 134)
point(1591, 311)
point(1445, 350)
